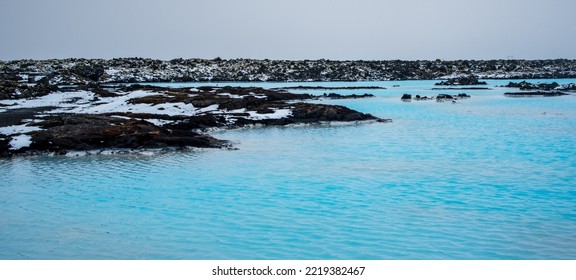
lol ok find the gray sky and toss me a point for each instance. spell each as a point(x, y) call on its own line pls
point(288, 29)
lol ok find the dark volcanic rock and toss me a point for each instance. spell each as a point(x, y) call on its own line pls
point(64, 78)
point(9, 77)
point(200, 122)
point(87, 132)
point(43, 87)
point(524, 85)
point(444, 96)
point(463, 88)
point(131, 70)
point(535, 94)
point(92, 72)
point(350, 96)
point(5, 146)
point(17, 116)
point(330, 88)
point(13, 89)
point(236, 107)
point(406, 97)
point(102, 92)
point(420, 98)
point(461, 81)
point(570, 87)
point(311, 113)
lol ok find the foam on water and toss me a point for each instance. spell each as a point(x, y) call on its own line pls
point(490, 177)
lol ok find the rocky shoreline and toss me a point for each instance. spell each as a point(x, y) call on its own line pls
point(138, 117)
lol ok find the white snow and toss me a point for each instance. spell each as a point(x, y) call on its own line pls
point(258, 95)
point(452, 76)
point(242, 110)
point(566, 86)
point(171, 109)
point(56, 99)
point(231, 95)
point(112, 71)
point(158, 122)
point(278, 114)
point(86, 104)
point(210, 108)
point(20, 141)
point(18, 129)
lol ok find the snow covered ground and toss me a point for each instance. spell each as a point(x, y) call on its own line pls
point(88, 102)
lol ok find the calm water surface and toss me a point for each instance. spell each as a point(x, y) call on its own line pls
point(490, 177)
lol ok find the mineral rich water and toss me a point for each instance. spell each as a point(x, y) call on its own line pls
point(490, 177)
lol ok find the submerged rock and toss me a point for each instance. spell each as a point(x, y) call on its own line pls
point(535, 94)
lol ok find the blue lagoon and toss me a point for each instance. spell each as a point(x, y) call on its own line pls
point(489, 177)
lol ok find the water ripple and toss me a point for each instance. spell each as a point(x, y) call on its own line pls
point(490, 178)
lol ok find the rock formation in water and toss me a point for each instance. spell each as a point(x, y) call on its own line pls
point(535, 94)
point(149, 117)
point(524, 85)
point(541, 89)
point(470, 80)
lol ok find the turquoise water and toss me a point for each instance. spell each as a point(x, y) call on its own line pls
point(490, 177)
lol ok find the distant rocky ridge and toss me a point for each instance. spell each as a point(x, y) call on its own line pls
point(131, 70)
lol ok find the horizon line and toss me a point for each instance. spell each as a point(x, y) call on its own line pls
point(218, 58)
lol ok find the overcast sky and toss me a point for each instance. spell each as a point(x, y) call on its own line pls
point(288, 29)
